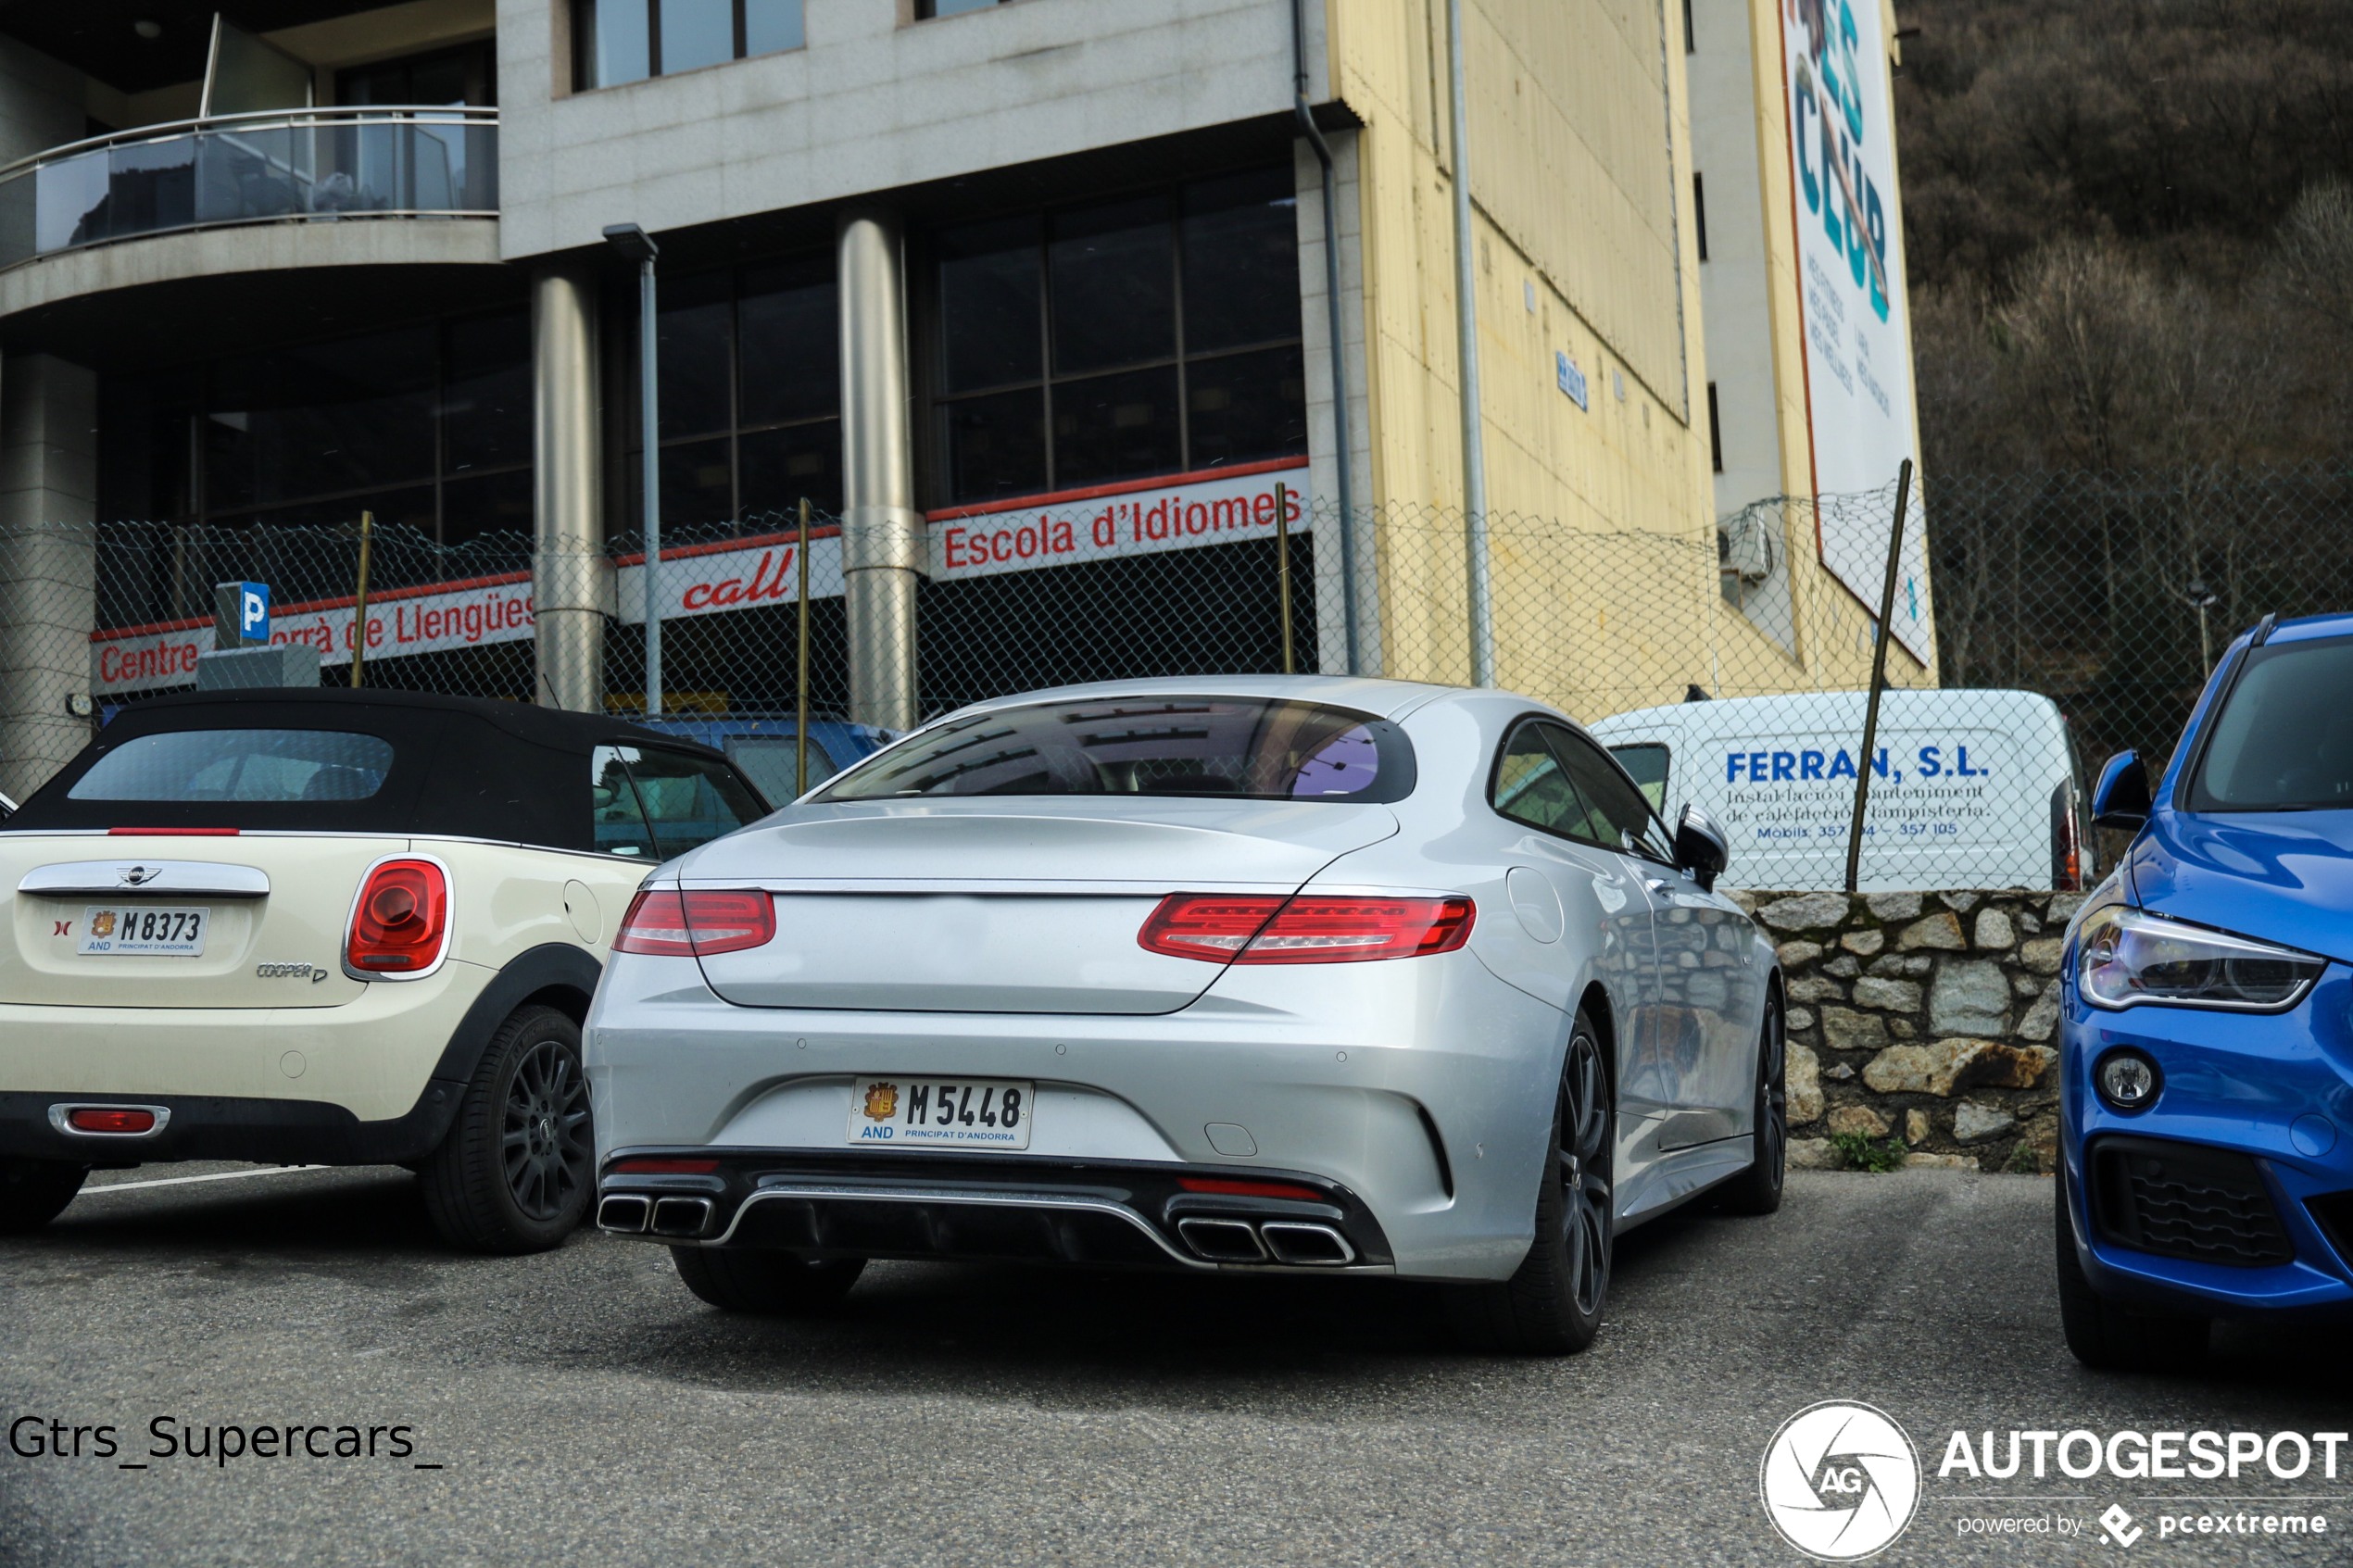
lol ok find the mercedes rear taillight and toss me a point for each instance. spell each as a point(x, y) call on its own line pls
point(1311, 928)
point(699, 922)
point(400, 922)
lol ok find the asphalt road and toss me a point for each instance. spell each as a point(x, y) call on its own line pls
point(583, 1409)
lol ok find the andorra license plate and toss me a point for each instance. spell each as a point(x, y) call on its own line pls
point(941, 1112)
point(151, 930)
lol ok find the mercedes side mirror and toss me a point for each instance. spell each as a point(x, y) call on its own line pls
point(1700, 848)
point(2121, 801)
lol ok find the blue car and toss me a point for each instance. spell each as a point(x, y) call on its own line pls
point(763, 746)
point(2206, 1026)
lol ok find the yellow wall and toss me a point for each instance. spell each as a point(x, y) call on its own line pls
point(1580, 177)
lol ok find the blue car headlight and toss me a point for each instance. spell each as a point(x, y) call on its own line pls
point(2127, 958)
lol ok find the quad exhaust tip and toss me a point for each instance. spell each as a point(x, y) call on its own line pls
point(1296, 1243)
point(683, 1217)
point(628, 1215)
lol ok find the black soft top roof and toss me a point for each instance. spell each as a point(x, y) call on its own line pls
point(461, 765)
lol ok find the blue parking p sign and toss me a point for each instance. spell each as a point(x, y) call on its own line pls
point(252, 612)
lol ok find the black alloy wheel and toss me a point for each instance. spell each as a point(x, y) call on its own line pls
point(1758, 1190)
point(545, 1141)
point(516, 1171)
point(1553, 1305)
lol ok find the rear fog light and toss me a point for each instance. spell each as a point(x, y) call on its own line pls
point(97, 1118)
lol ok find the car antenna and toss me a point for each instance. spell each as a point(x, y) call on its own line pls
point(2263, 629)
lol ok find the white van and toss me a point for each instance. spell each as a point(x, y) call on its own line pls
point(1970, 789)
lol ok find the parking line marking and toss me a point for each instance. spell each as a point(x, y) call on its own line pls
point(209, 1177)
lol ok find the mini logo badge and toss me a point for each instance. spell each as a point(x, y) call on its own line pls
point(2120, 1526)
point(137, 876)
point(882, 1100)
point(1840, 1481)
point(101, 924)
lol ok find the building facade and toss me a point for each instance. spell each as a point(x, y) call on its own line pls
point(1037, 304)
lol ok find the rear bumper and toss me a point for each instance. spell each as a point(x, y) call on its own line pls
point(933, 1206)
point(368, 1060)
point(1423, 1088)
point(287, 1132)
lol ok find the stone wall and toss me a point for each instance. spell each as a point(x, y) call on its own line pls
point(1929, 1017)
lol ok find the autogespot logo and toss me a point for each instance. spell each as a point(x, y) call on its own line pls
point(1840, 1481)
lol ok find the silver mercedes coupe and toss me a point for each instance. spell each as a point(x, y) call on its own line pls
point(1249, 973)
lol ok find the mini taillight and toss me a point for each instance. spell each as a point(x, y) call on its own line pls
point(1312, 928)
point(401, 921)
point(663, 1167)
point(1251, 1189)
point(98, 1119)
point(700, 922)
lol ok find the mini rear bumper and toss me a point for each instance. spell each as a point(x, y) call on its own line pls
point(288, 1132)
point(2232, 1194)
point(914, 1205)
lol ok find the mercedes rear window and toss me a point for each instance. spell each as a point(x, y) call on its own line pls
point(1248, 748)
point(2283, 741)
point(271, 766)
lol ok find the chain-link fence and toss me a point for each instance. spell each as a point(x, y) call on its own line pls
point(2045, 621)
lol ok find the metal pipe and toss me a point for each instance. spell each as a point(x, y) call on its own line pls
point(1342, 459)
point(1483, 610)
point(801, 710)
point(359, 601)
point(1879, 675)
point(649, 432)
point(1282, 570)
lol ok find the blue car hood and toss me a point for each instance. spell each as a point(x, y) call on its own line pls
point(2283, 876)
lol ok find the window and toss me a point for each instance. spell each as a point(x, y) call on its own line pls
point(1152, 334)
point(1699, 213)
point(926, 10)
point(246, 765)
point(2283, 740)
point(618, 41)
point(443, 79)
point(1646, 765)
point(1246, 747)
point(772, 762)
point(1715, 432)
point(1554, 779)
point(428, 426)
point(749, 363)
point(653, 805)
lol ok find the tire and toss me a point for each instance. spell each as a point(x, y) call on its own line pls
point(1553, 1305)
point(515, 1172)
point(1758, 1190)
point(34, 1192)
point(2108, 1335)
point(773, 1283)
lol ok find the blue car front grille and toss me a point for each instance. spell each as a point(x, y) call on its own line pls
point(2184, 1200)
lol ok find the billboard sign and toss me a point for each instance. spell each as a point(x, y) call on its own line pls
point(1850, 279)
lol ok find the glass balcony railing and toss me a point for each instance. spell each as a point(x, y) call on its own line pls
point(285, 166)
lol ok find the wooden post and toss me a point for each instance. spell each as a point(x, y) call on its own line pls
point(1283, 568)
point(359, 602)
point(801, 725)
point(1879, 674)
